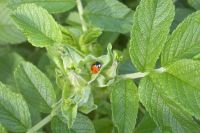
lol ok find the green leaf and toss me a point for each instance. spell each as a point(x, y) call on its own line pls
point(38, 26)
point(69, 111)
point(14, 112)
point(194, 3)
point(2, 129)
point(53, 6)
point(182, 82)
point(151, 25)
point(58, 126)
point(8, 62)
point(124, 102)
point(82, 124)
point(9, 34)
point(35, 87)
point(110, 15)
point(147, 125)
point(184, 41)
point(166, 113)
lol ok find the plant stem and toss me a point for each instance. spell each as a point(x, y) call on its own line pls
point(80, 10)
point(41, 123)
point(140, 74)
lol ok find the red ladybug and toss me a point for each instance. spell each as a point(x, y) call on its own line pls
point(95, 68)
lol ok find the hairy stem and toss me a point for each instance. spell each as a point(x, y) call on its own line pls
point(47, 119)
point(80, 10)
point(41, 123)
point(140, 74)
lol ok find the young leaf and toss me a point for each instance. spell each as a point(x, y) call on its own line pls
point(53, 6)
point(151, 25)
point(82, 124)
point(89, 106)
point(69, 111)
point(14, 112)
point(90, 36)
point(35, 87)
point(82, 89)
point(166, 113)
point(194, 3)
point(124, 102)
point(38, 26)
point(64, 56)
point(69, 38)
point(9, 34)
point(110, 15)
point(184, 41)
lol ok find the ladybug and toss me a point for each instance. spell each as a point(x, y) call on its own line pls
point(95, 68)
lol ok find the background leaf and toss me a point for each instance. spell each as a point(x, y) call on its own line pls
point(104, 125)
point(2, 129)
point(110, 15)
point(151, 25)
point(14, 112)
point(53, 6)
point(167, 114)
point(180, 15)
point(194, 3)
point(184, 41)
point(124, 102)
point(147, 125)
point(35, 87)
point(8, 62)
point(9, 34)
point(38, 26)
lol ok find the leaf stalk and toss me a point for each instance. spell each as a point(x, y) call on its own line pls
point(140, 74)
point(80, 11)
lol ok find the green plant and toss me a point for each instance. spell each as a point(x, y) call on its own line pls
point(59, 93)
